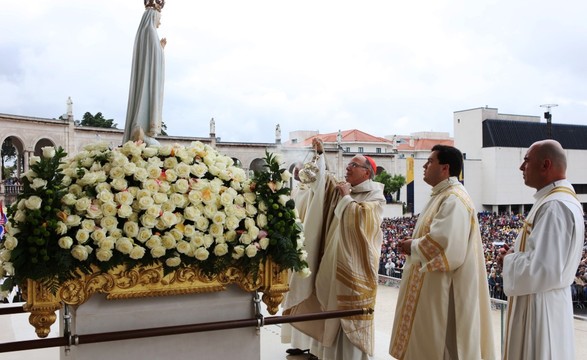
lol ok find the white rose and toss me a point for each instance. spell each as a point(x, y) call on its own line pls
point(150, 151)
point(168, 241)
point(33, 203)
point(82, 204)
point(160, 198)
point(5, 255)
point(69, 199)
point(88, 225)
point(79, 252)
point(154, 171)
point(151, 185)
point(130, 169)
point(10, 242)
point(148, 221)
point(168, 206)
point(137, 252)
point(168, 219)
point(230, 235)
point(251, 210)
point(124, 245)
point(304, 273)
point(251, 250)
point(201, 253)
point(65, 242)
point(19, 216)
point(238, 252)
point(131, 229)
point(181, 186)
point(216, 230)
point(104, 254)
point(250, 198)
point(105, 196)
point(231, 222)
point(38, 183)
point(158, 251)
point(94, 211)
point(220, 249)
point(170, 163)
point(261, 221)
point(183, 170)
point(98, 235)
point(107, 243)
point(285, 176)
point(283, 199)
point(264, 242)
point(153, 242)
point(199, 170)
point(170, 175)
point(144, 234)
point(303, 255)
point(165, 150)
point(73, 220)
point(140, 174)
point(191, 213)
point(82, 236)
point(202, 223)
point(183, 247)
point(34, 160)
point(124, 198)
point(144, 202)
point(124, 211)
point(119, 184)
point(109, 209)
point(173, 261)
point(178, 200)
point(8, 268)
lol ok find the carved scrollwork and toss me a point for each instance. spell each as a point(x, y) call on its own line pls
point(148, 281)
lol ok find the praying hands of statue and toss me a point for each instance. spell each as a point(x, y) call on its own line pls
point(163, 42)
point(318, 146)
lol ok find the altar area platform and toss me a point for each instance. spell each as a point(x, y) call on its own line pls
point(16, 327)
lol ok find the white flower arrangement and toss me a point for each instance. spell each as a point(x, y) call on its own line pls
point(136, 205)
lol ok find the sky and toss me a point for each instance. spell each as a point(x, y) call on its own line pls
point(385, 67)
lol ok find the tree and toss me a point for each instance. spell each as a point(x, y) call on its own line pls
point(8, 156)
point(97, 121)
point(391, 184)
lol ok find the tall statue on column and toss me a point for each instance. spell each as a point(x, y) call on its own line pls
point(145, 97)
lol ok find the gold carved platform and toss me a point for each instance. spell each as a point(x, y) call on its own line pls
point(150, 281)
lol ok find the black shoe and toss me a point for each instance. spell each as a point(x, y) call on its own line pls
point(296, 351)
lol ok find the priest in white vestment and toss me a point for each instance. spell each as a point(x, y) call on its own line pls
point(343, 235)
point(443, 307)
point(539, 270)
point(145, 98)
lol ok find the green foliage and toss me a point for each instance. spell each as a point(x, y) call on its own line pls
point(98, 120)
point(391, 184)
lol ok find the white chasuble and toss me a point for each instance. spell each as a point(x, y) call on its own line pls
point(537, 277)
point(443, 304)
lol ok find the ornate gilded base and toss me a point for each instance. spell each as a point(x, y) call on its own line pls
point(120, 283)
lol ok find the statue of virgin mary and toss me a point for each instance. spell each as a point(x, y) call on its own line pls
point(145, 98)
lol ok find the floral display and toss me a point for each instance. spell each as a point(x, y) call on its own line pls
point(138, 205)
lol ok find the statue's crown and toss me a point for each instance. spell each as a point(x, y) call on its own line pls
point(155, 4)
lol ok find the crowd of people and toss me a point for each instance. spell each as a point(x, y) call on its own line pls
point(496, 230)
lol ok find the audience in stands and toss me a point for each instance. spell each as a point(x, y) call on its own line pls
point(496, 230)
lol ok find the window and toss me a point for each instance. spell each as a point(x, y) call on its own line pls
point(378, 150)
point(361, 149)
point(347, 149)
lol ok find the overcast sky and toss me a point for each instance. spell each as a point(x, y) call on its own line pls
point(382, 66)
